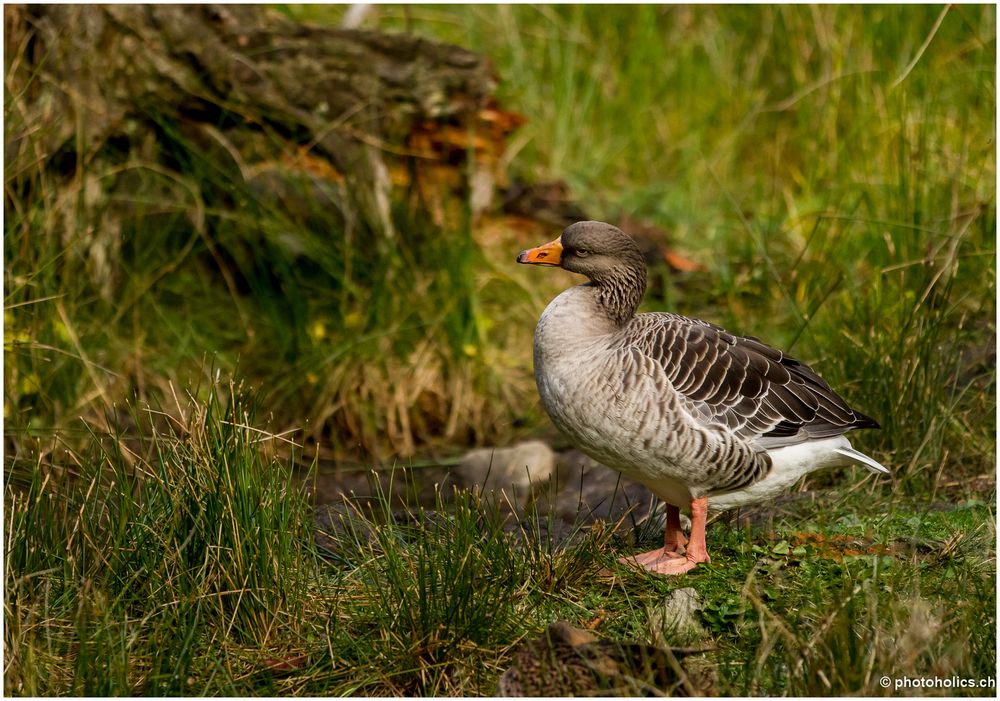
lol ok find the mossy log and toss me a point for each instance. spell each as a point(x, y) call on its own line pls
point(362, 108)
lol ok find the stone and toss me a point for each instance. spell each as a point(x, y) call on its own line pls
point(675, 620)
point(514, 471)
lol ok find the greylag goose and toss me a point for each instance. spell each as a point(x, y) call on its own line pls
point(700, 416)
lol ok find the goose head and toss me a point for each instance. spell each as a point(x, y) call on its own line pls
point(606, 255)
point(591, 248)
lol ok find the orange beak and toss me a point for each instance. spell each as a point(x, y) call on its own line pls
point(546, 254)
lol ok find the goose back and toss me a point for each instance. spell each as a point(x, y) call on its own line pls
point(740, 384)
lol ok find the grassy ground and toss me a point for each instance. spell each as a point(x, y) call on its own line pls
point(833, 168)
point(184, 563)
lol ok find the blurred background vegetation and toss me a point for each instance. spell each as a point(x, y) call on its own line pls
point(833, 170)
point(829, 170)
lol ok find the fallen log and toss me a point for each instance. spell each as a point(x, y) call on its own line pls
point(366, 110)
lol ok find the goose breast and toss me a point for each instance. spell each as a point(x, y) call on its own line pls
point(618, 403)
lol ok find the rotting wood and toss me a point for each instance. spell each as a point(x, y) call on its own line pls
point(366, 110)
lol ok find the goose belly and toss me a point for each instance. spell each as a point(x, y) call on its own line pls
point(627, 430)
point(788, 465)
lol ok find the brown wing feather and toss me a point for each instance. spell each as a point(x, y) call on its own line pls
point(742, 384)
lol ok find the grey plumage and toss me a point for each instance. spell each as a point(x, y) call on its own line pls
point(741, 384)
point(676, 403)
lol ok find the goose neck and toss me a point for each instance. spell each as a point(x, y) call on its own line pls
point(620, 292)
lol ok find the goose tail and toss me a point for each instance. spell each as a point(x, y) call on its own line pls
point(862, 459)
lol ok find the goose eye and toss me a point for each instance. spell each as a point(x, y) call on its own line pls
point(582, 252)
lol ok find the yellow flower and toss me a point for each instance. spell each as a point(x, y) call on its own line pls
point(317, 330)
point(354, 320)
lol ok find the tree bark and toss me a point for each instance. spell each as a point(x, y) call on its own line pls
point(363, 102)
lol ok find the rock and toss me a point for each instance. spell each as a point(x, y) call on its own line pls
point(675, 621)
point(514, 471)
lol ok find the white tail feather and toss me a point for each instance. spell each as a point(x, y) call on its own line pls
point(862, 459)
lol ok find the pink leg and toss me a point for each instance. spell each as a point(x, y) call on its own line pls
point(668, 560)
point(673, 541)
point(673, 538)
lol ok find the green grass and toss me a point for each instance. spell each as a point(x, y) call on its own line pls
point(181, 561)
point(844, 204)
point(130, 568)
point(833, 168)
point(842, 199)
